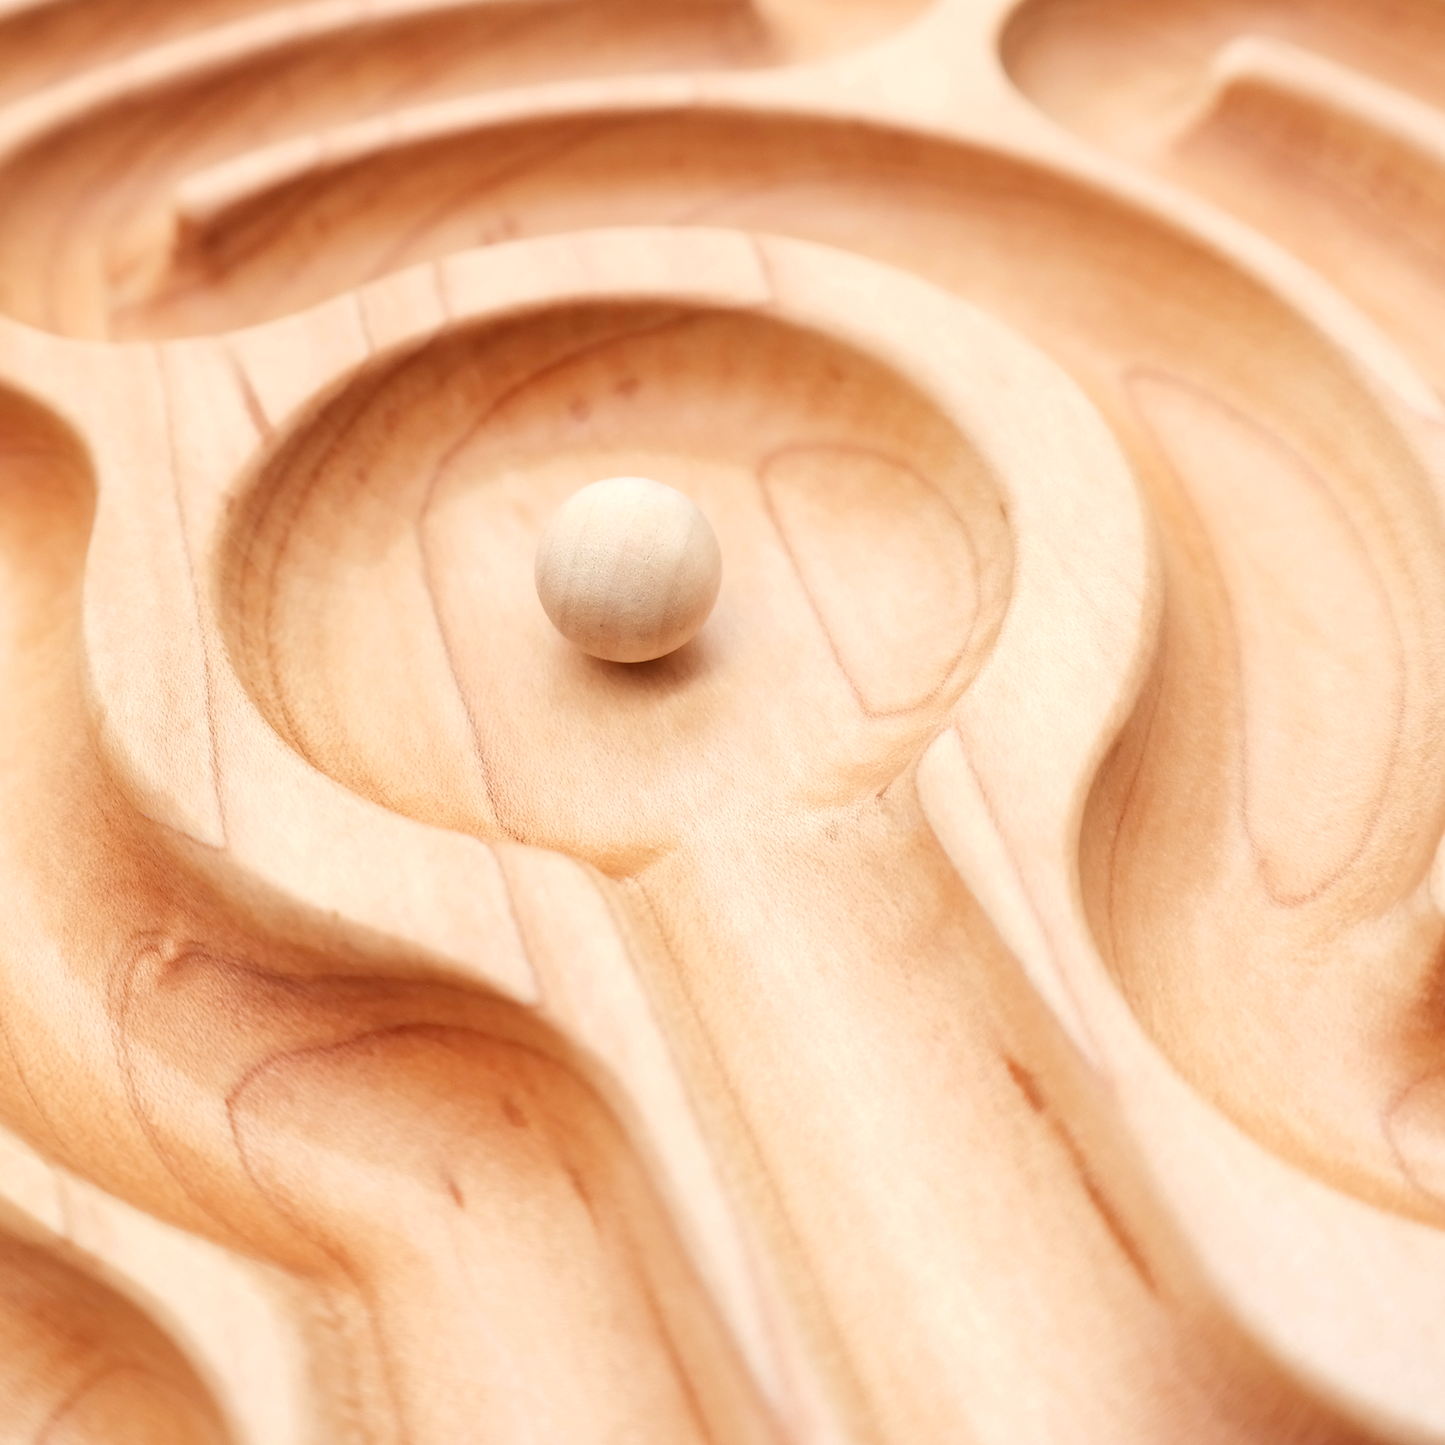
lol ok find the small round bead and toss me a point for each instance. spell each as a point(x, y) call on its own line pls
point(628, 569)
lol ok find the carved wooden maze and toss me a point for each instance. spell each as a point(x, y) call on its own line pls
point(986, 988)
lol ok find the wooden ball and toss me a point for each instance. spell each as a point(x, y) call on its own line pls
point(628, 569)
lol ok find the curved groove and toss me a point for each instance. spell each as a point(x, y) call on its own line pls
point(1279, 119)
point(860, 919)
point(1124, 72)
point(49, 42)
point(90, 168)
point(1309, 798)
point(1348, 173)
point(1271, 111)
point(419, 1156)
point(89, 193)
point(80, 1365)
point(430, 481)
point(1030, 247)
point(944, 1241)
point(468, 1169)
point(46, 42)
point(177, 1079)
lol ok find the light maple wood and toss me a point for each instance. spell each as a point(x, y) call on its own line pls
point(985, 988)
point(628, 569)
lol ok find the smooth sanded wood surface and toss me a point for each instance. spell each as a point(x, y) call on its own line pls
point(628, 569)
point(985, 987)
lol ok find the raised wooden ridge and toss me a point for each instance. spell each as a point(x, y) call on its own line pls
point(985, 987)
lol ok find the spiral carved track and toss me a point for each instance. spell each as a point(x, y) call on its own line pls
point(986, 988)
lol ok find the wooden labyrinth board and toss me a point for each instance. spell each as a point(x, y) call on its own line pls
point(987, 988)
